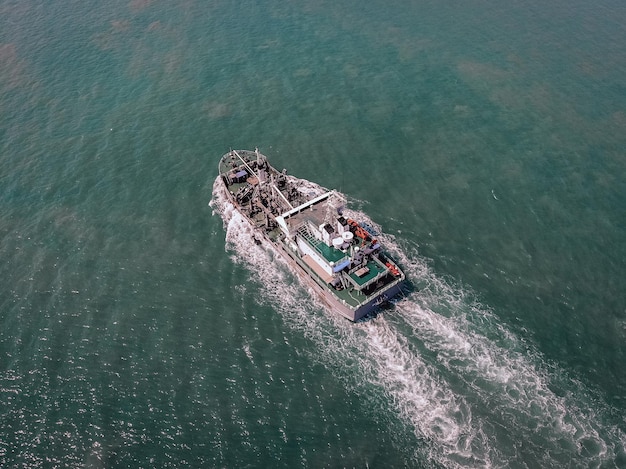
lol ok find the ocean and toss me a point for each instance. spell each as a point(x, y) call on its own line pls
point(140, 327)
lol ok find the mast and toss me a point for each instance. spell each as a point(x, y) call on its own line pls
point(282, 195)
point(245, 163)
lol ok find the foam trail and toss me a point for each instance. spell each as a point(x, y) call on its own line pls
point(463, 383)
point(428, 403)
point(502, 373)
point(517, 394)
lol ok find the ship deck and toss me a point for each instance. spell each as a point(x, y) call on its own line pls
point(330, 254)
point(373, 269)
point(316, 268)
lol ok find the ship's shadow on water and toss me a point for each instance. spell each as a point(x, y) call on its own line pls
point(388, 307)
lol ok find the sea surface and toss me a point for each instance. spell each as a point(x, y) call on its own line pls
point(140, 327)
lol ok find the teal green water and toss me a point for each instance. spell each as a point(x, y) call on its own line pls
point(140, 329)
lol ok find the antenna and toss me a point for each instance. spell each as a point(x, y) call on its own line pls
point(334, 206)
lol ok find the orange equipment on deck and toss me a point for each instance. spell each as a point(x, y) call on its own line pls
point(393, 269)
point(360, 231)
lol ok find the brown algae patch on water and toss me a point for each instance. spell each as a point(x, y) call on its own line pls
point(113, 38)
point(138, 5)
point(12, 68)
point(217, 110)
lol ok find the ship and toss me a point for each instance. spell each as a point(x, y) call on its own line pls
point(338, 257)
